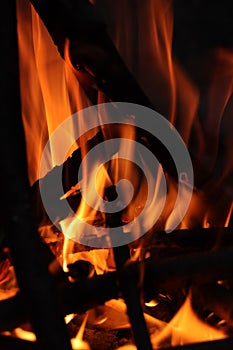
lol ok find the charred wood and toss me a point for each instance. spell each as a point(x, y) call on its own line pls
point(160, 276)
point(130, 287)
point(69, 180)
point(195, 239)
point(92, 53)
point(49, 183)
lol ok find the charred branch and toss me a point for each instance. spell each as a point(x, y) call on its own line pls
point(92, 53)
point(130, 287)
point(160, 276)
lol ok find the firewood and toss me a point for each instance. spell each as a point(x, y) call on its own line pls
point(160, 245)
point(187, 239)
point(69, 180)
point(130, 287)
point(160, 276)
point(92, 53)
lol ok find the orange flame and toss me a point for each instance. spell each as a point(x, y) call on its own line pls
point(51, 93)
point(186, 327)
point(46, 81)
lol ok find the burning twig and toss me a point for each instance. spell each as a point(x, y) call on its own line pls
point(129, 286)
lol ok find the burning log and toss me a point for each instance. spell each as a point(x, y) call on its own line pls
point(161, 275)
point(49, 183)
point(161, 245)
point(70, 180)
point(187, 239)
point(92, 53)
point(164, 275)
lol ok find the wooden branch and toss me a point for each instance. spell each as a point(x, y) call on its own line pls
point(130, 287)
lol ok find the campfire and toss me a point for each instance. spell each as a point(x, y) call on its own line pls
point(117, 175)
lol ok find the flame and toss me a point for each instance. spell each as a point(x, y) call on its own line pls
point(186, 328)
point(145, 43)
point(77, 342)
point(48, 89)
point(229, 215)
point(8, 282)
point(97, 257)
point(54, 94)
point(51, 93)
point(24, 334)
point(201, 112)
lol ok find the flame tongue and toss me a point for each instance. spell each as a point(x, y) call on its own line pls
point(185, 328)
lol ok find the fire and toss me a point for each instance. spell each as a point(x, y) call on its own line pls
point(145, 43)
point(178, 95)
point(78, 343)
point(48, 99)
point(49, 79)
point(50, 93)
point(185, 328)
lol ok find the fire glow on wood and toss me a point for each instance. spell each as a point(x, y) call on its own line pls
point(161, 290)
